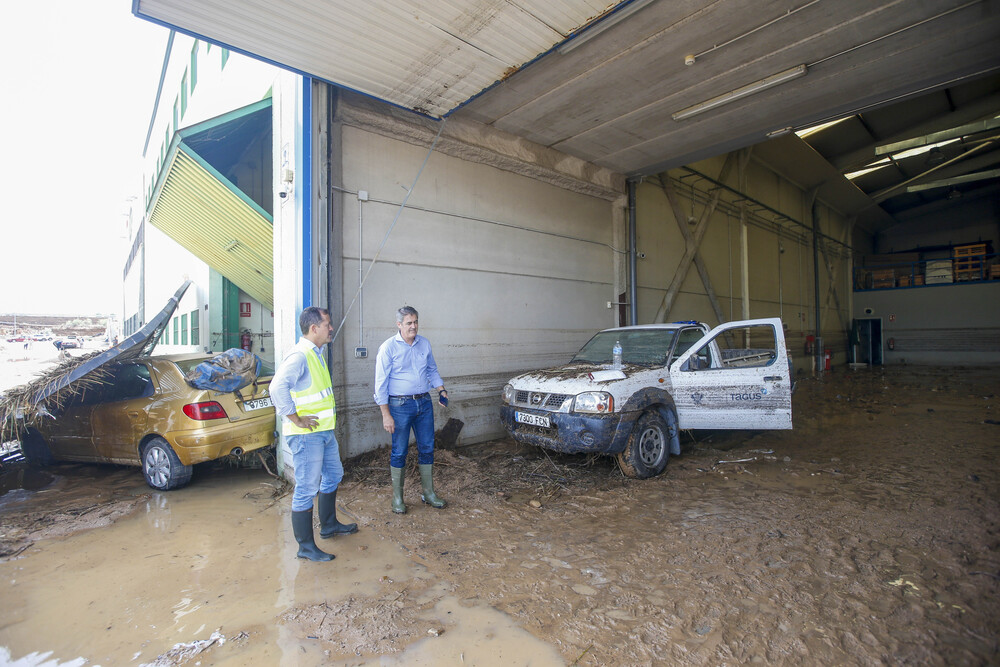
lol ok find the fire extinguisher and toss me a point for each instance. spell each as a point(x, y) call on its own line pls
point(826, 360)
point(810, 345)
point(245, 341)
point(892, 343)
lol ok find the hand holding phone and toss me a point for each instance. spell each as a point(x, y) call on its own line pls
point(443, 398)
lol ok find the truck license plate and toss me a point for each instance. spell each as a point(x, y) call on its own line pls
point(257, 404)
point(533, 420)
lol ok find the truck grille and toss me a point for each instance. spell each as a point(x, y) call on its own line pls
point(534, 399)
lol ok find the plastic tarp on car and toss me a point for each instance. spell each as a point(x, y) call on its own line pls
point(230, 371)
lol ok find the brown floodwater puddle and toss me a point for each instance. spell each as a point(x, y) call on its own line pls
point(218, 557)
point(22, 478)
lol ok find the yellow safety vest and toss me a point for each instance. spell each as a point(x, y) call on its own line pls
point(316, 399)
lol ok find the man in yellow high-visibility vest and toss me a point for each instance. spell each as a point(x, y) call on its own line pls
point(302, 393)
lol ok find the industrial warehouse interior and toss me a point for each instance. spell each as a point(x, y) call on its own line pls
point(528, 175)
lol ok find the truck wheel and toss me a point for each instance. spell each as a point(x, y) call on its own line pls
point(161, 467)
point(35, 449)
point(647, 449)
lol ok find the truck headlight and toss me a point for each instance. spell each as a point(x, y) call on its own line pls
point(600, 402)
point(508, 394)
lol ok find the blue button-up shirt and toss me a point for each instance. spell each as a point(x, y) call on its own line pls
point(292, 374)
point(402, 369)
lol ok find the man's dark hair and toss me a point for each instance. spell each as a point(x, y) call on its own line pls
point(404, 311)
point(310, 316)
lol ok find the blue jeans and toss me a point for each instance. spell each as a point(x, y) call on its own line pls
point(419, 416)
point(316, 457)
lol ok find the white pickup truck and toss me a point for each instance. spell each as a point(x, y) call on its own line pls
point(672, 376)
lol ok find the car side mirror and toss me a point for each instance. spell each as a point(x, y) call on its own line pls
point(696, 363)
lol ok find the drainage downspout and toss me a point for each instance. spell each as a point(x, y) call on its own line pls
point(819, 332)
point(633, 290)
point(850, 287)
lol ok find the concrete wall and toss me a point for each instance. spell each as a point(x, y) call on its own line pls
point(937, 324)
point(509, 272)
point(773, 277)
point(946, 324)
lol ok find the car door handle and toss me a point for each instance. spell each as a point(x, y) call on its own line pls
point(772, 378)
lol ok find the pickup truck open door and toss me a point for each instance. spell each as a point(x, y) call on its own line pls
point(736, 377)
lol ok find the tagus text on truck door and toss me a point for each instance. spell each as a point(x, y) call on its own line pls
point(737, 377)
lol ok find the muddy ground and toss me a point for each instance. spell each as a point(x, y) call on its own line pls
point(869, 534)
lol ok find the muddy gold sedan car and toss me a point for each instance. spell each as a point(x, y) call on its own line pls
point(144, 413)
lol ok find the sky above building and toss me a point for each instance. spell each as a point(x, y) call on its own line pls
point(80, 80)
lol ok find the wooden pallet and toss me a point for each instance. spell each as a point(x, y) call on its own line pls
point(883, 274)
point(969, 250)
point(969, 267)
point(965, 275)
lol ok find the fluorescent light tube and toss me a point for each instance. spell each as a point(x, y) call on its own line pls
point(597, 28)
point(740, 93)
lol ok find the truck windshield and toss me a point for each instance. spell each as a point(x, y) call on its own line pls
point(642, 347)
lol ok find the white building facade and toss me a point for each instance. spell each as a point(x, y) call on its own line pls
point(211, 120)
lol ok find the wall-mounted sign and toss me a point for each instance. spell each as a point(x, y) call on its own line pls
point(244, 309)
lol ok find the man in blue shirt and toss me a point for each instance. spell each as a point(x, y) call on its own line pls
point(404, 370)
point(302, 392)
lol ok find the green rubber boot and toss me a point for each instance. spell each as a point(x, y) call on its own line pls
point(398, 506)
point(427, 486)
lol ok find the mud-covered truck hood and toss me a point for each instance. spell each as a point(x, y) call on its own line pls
point(553, 388)
point(571, 376)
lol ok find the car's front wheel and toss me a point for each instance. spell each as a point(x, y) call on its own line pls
point(161, 467)
point(647, 449)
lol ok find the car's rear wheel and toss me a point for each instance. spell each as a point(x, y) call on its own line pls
point(647, 449)
point(35, 449)
point(161, 467)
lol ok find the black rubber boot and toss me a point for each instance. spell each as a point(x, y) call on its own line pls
point(398, 506)
point(302, 526)
point(427, 486)
point(329, 526)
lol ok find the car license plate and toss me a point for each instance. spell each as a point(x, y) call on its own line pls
point(257, 404)
point(533, 420)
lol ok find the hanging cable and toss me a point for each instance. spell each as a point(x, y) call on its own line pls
point(395, 219)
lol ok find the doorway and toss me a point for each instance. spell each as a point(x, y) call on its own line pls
point(868, 340)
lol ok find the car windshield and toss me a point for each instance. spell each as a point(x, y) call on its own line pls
point(187, 365)
point(643, 347)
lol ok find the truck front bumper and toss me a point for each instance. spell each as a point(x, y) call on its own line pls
point(572, 433)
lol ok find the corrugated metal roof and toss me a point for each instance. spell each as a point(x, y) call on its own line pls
point(208, 215)
point(426, 56)
point(610, 97)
